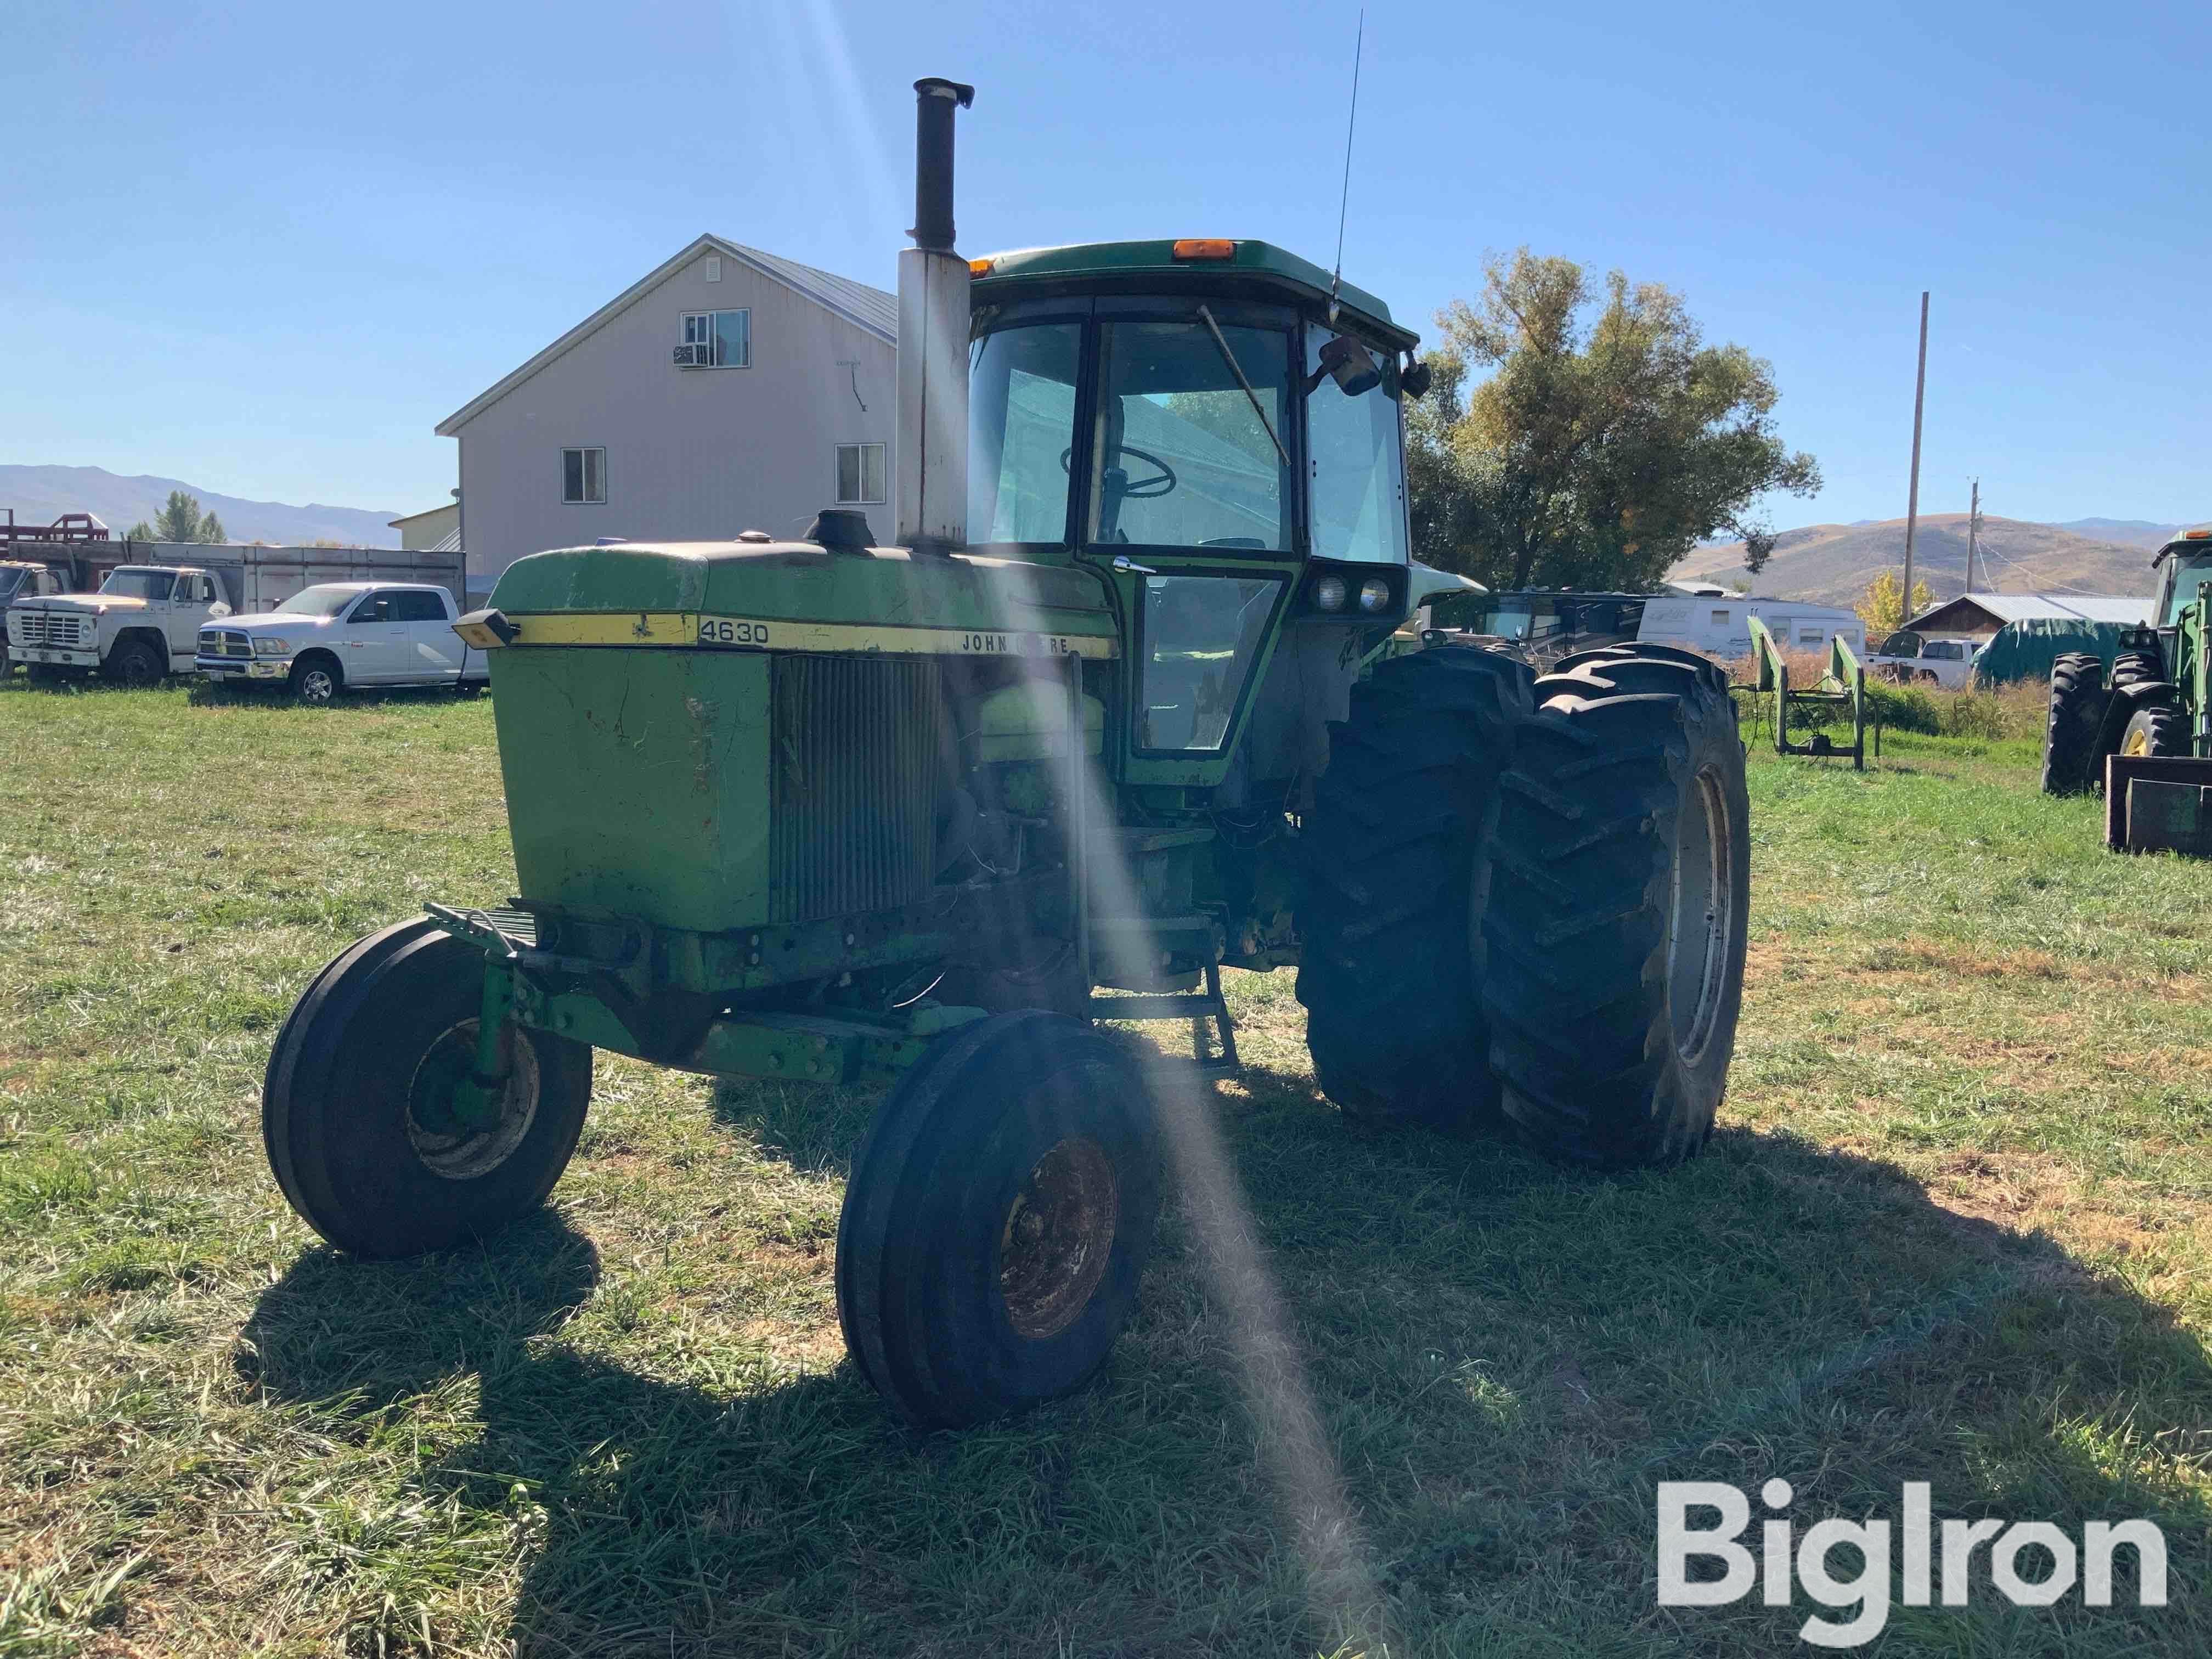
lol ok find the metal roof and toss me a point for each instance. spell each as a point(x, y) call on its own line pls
point(2015, 607)
point(866, 307)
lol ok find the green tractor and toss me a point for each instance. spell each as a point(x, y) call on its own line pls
point(1114, 715)
point(2153, 701)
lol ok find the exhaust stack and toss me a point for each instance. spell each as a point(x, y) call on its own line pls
point(933, 343)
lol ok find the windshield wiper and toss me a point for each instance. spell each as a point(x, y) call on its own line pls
point(1230, 358)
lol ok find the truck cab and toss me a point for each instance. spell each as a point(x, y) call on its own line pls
point(19, 580)
point(140, 627)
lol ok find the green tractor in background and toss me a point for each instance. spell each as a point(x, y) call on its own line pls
point(2152, 703)
point(1112, 716)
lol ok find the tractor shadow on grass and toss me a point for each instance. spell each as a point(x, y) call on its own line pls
point(1506, 1358)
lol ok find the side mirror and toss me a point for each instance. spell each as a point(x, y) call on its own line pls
point(1350, 366)
point(1415, 381)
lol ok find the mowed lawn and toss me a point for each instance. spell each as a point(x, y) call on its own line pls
point(1954, 1228)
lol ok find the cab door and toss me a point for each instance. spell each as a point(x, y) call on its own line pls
point(194, 600)
point(372, 642)
point(433, 649)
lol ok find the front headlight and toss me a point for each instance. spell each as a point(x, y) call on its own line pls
point(1328, 593)
point(271, 645)
point(1374, 594)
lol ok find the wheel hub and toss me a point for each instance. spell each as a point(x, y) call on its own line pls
point(450, 1148)
point(1056, 1238)
point(1702, 921)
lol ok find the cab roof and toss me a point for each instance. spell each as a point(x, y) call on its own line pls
point(2195, 538)
point(1249, 263)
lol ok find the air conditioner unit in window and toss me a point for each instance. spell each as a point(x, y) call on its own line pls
point(694, 356)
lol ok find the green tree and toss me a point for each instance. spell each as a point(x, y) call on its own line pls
point(1879, 610)
point(1605, 440)
point(179, 520)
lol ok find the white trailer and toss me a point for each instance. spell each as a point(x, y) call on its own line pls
point(1720, 626)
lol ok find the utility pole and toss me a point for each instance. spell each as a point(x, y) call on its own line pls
point(1912, 501)
point(1974, 533)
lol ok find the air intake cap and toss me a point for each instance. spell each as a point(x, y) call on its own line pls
point(840, 530)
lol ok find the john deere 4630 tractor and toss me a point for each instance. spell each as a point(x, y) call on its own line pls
point(1112, 716)
point(2152, 702)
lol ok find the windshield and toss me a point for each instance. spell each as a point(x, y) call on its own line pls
point(2184, 576)
point(9, 581)
point(1021, 431)
point(1181, 456)
point(317, 602)
point(1509, 621)
point(127, 584)
point(1359, 465)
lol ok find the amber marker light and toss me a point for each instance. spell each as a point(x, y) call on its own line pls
point(1205, 247)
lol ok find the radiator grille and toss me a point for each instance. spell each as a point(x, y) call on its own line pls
point(224, 642)
point(853, 772)
point(56, 627)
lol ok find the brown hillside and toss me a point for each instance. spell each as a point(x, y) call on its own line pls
point(1833, 563)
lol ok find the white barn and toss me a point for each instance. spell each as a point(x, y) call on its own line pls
point(727, 390)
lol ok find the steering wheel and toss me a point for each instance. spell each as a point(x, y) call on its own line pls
point(1143, 489)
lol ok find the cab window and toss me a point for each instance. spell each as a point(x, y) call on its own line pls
point(2184, 575)
point(1021, 431)
point(1356, 457)
point(1182, 454)
point(376, 608)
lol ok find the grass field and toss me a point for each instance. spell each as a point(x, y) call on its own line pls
point(1954, 1228)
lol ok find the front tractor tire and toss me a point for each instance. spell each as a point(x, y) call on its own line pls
point(355, 1103)
point(2160, 729)
point(998, 1220)
point(1396, 881)
point(1616, 929)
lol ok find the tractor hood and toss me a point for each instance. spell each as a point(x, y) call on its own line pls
point(672, 593)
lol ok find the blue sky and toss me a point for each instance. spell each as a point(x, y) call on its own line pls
point(268, 248)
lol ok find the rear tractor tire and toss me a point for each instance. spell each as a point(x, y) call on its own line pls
point(1616, 928)
point(1396, 882)
point(2078, 699)
point(2137, 667)
point(353, 1102)
point(998, 1220)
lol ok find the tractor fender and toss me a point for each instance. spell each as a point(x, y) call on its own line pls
point(2121, 709)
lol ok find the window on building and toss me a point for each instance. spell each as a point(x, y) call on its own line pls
point(583, 477)
point(1719, 618)
point(728, 335)
point(859, 475)
point(1810, 635)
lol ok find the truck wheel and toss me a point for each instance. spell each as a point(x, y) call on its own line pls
point(997, 1220)
point(2077, 710)
point(1396, 881)
point(315, 679)
point(1616, 930)
point(356, 1101)
point(134, 663)
point(2159, 730)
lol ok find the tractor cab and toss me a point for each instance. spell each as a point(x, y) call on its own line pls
point(2184, 565)
point(1213, 428)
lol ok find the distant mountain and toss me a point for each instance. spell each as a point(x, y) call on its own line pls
point(1832, 563)
point(41, 495)
point(2130, 532)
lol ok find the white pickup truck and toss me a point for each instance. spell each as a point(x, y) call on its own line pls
point(326, 638)
point(1905, 657)
point(143, 624)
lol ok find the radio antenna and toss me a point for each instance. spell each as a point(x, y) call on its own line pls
point(1336, 276)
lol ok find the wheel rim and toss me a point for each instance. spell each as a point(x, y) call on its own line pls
point(2136, 742)
point(315, 685)
point(1056, 1238)
point(1703, 919)
point(465, 1154)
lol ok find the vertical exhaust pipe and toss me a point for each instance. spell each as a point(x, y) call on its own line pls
point(933, 343)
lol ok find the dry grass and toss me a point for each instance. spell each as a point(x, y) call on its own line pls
point(1953, 1229)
